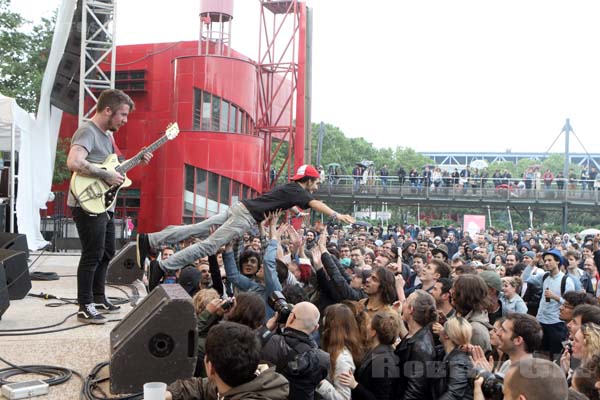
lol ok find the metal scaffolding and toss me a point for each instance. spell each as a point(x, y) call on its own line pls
point(281, 102)
point(98, 46)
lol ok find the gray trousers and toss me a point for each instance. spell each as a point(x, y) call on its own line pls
point(236, 221)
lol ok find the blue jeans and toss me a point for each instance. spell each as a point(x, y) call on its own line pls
point(233, 223)
point(97, 236)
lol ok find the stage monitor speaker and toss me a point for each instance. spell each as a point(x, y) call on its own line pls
point(14, 241)
point(123, 269)
point(15, 267)
point(4, 298)
point(155, 342)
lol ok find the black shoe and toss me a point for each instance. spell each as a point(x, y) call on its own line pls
point(155, 275)
point(88, 314)
point(105, 306)
point(142, 249)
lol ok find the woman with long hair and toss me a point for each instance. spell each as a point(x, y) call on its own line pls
point(586, 342)
point(374, 378)
point(469, 298)
point(362, 321)
point(455, 338)
point(341, 339)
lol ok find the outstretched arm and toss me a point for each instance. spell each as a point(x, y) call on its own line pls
point(323, 208)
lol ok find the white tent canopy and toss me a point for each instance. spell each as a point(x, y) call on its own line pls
point(35, 139)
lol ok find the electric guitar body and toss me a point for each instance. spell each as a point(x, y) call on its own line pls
point(96, 196)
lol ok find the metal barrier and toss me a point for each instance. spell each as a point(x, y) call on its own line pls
point(480, 189)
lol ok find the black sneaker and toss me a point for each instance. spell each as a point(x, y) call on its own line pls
point(88, 314)
point(142, 249)
point(105, 306)
point(155, 275)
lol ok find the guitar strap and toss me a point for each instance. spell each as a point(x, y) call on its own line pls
point(116, 148)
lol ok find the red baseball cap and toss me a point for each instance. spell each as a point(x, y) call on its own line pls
point(306, 170)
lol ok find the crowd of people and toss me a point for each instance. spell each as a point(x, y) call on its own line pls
point(401, 313)
point(337, 311)
point(432, 177)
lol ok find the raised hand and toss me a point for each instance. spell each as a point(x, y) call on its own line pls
point(316, 256)
point(322, 242)
point(479, 360)
point(277, 232)
point(294, 237)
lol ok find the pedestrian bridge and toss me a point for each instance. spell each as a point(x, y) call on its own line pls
point(479, 193)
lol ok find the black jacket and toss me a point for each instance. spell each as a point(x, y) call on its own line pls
point(456, 384)
point(298, 358)
point(376, 374)
point(419, 352)
point(340, 283)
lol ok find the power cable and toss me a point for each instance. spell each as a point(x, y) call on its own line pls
point(55, 375)
point(90, 384)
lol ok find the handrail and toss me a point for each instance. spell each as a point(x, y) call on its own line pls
point(509, 189)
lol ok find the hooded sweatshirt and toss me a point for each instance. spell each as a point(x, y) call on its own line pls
point(268, 385)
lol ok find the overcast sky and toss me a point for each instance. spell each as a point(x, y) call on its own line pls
point(437, 75)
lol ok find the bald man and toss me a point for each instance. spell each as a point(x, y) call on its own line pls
point(294, 352)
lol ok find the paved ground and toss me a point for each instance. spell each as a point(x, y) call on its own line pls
point(79, 349)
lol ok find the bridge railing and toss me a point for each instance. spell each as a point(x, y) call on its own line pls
point(468, 188)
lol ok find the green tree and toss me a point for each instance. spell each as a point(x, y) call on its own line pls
point(61, 172)
point(23, 56)
point(337, 148)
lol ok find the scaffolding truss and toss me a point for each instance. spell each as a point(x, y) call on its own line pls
point(281, 84)
point(98, 29)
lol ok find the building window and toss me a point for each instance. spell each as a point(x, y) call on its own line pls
point(197, 109)
point(206, 98)
point(216, 113)
point(235, 192)
point(211, 113)
point(224, 194)
point(128, 204)
point(207, 194)
point(200, 192)
point(224, 116)
point(232, 118)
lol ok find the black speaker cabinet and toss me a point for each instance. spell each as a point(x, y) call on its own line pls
point(15, 267)
point(14, 241)
point(155, 342)
point(123, 269)
point(4, 298)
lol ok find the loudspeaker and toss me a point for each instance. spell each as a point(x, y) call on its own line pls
point(15, 267)
point(155, 342)
point(14, 241)
point(4, 298)
point(123, 269)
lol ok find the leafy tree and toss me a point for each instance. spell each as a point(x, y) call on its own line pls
point(23, 56)
point(61, 172)
point(337, 148)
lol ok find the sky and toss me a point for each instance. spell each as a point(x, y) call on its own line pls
point(432, 75)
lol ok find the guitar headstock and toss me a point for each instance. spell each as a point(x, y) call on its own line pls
point(172, 131)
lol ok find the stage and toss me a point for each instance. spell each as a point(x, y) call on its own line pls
point(79, 349)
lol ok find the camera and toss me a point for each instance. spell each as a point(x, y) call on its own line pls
point(492, 384)
point(280, 305)
point(227, 304)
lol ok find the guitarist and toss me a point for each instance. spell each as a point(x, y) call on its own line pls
point(90, 145)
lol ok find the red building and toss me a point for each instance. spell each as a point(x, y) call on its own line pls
point(220, 154)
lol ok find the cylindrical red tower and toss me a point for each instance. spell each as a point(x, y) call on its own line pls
point(215, 27)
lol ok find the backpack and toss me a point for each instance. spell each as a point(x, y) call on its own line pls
point(534, 293)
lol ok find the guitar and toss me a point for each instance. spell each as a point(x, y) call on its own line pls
point(96, 196)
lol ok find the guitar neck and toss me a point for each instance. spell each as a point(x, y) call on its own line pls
point(135, 160)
